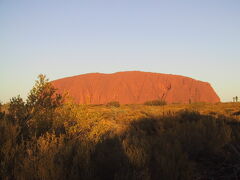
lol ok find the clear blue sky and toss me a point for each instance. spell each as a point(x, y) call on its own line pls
point(195, 38)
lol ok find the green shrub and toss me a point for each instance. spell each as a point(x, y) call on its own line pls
point(113, 104)
point(155, 103)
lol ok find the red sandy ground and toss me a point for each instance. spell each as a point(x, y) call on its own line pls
point(135, 87)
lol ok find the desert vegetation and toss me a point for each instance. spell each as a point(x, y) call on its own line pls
point(113, 104)
point(47, 136)
point(155, 103)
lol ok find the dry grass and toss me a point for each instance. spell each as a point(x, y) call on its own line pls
point(176, 141)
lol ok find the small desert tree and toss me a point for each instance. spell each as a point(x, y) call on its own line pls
point(36, 114)
point(43, 95)
point(1, 113)
point(41, 103)
point(17, 111)
point(18, 115)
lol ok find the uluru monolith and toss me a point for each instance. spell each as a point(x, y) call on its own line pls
point(135, 87)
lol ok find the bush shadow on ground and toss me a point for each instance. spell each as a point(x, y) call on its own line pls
point(185, 145)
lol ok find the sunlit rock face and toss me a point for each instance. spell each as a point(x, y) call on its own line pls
point(135, 87)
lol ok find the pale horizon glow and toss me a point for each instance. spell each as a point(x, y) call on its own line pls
point(197, 39)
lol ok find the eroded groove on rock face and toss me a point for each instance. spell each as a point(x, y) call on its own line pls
point(135, 87)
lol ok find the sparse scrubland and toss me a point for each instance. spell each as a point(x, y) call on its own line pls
point(49, 137)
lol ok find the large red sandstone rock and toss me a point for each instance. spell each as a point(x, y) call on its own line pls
point(135, 87)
